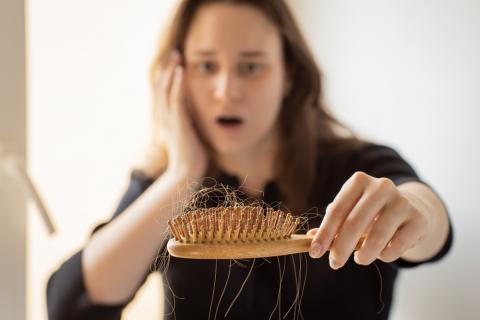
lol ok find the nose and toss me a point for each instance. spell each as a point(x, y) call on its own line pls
point(227, 87)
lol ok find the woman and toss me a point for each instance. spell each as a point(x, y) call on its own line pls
point(238, 98)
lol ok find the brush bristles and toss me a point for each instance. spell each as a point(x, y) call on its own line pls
point(233, 224)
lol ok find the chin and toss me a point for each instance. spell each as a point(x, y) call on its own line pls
point(230, 148)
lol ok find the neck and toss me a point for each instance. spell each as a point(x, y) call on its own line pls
point(253, 167)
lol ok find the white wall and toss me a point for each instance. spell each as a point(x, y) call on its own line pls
point(407, 73)
point(89, 102)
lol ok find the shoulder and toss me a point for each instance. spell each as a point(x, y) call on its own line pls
point(377, 160)
point(338, 162)
point(139, 182)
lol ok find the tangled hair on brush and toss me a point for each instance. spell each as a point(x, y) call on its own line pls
point(221, 197)
point(227, 214)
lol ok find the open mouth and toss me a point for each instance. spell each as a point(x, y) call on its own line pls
point(229, 122)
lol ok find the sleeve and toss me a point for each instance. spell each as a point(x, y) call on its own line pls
point(382, 161)
point(66, 293)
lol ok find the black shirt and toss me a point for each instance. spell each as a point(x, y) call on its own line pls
point(308, 289)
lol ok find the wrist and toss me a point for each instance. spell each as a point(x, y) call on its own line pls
point(184, 183)
point(182, 175)
point(423, 207)
point(437, 224)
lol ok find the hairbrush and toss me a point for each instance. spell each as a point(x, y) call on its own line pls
point(236, 233)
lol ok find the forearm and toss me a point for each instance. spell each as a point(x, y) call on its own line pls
point(425, 200)
point(117, 257)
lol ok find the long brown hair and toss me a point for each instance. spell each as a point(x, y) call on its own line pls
point(308, 130)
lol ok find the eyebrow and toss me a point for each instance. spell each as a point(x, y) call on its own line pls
point(244, 54)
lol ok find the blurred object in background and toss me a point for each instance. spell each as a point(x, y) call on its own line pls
point(14, 166)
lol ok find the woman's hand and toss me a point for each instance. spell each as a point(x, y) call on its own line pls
point(370, 208)
point(186, 153)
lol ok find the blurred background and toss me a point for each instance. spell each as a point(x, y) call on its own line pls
point(74, 116)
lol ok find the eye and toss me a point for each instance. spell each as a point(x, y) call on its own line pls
point(206, 67)
point(250, 68)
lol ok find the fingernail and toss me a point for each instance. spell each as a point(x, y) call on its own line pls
point(355, 257)
point(316, 250)
point(333, 263)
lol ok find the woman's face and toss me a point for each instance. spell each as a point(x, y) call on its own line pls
point(235, 76)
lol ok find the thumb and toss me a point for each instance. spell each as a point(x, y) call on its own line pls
point(312, 232)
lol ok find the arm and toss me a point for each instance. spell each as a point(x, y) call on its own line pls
point(66, 292)
point(67, 296)
point(117, 257)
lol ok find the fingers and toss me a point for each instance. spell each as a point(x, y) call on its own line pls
point(373, 210)
point(178, 104)
point(370, 208)
point(176, 97)
point(382, 231)
point(336, 213)
point(405, 238)
point(170, 73)
point(357, 222)
point(166, 81)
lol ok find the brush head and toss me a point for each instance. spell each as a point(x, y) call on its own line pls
point(232, 225)
point(235, 233)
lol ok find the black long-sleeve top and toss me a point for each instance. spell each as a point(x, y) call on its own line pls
point(352, 292)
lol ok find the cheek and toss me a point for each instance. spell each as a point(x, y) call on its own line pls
point(268, 95)
point(272, 84)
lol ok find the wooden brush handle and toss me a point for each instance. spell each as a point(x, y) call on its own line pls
point(298, 243)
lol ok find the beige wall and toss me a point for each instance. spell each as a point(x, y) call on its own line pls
point(12, 141)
